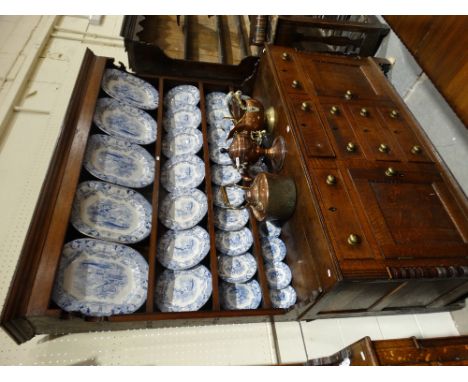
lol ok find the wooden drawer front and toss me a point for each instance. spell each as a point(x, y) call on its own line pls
point(310, 128)
point(376, 141)
point(398, 126)
point(340, 216)
point(287, 71)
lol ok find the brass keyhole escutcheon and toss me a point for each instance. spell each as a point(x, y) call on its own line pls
point(285, 56)
point(383, 148)
point(364, 112)
point(334, 110)
point(354, 239)
point(296, 84)
point(390, 171)
point(331, 180)
point(348, 95)
point(416, 149)
point(394, 114)
point(351, 147)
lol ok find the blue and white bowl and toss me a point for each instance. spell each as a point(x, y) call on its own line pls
point(188, 116)
point(123, 121)
point(230, 220)
point(182, 141)
point(98, 278)
point(182, 172)
point(183, 209)
point(183, 291)
point(179, 250)
point(269, 228)
point(181, 95)
point(278, 275)
point(283, 298)
point(240, 296)
point(106, 211)
point(273, 249)
point(237, 269)
point(130, 89)
point(234, 243)
point(225, 175)
point(236, 196)
point(118, 161)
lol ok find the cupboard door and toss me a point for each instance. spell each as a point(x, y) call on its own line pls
point(411, 212)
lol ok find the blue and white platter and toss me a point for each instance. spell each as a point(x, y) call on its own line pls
point(278, 275)
point(236, 196)
point(183, 209)
point(219, 157)
point(240, 296)
point(183, 291)
point(182, 172)
point(180, 96)
point(220, 117)
point(123, 121)
point(98, 278)
point(118, 161)
point(224, 175)
point(106, 211)
point(188, 116)
point(283, 298)
point(218, 136)
point(230, 220)
point(269, 229)
point(179, 250)
point(273, 249)
point(237, 269)
point(225, 124)
point(182, 141)
point(132, 90)
point(234, 243)
point(216, 100)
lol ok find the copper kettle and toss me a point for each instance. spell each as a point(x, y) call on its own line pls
point(248, 113)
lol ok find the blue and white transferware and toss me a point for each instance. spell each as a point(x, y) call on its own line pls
point(237, 269)
point(225, 124)
point(132, 90)
point(269, 228)
point(283, 298)
point(278, 275)
point(216, 100)
point(123, 121)
point(230, 220)
point(118, 161)
point(180, 96)
point(183, 291)
point(218, 136)
point(236, 196)
point(178, 250)
point(183, 209)
point(220, 117)
point(240, 296)
point(219, 157)
point(105, 211)
point(234, 243)
point(98, 278)
point(224, 175)
point(182, 141)
point(273, 249)
point(182, 172)
point(188, 116)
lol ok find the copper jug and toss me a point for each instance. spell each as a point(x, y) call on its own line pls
point(248, 113)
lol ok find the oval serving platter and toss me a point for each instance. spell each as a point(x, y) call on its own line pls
point(123, 121)
point(237, 269)
point(188, 116)
point(183, 291)
point(234, 243)
point(180, 96)
point(283, 298)
point(130, 89)
point(236, 196)
point(223, 175)
point(273, 249)
point(98, 278)
point(182, 141)
point(118, 161)
point(240, 296)
point(183, 209)
point(182, 172)
point(278, 275)
point(106, 211)
point(179, 250)
point(230, 220)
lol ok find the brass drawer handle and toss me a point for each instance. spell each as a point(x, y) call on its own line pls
point(305, 106)
point(331, 180)
point(348, 95)
point(285, 56)
point(334, 110)
point(351, 147)
point(364, 112)
point(416, 150)
point(394, 114)
point(354, 239)
point(390, 171)
point(383, 148)
point(296, 84)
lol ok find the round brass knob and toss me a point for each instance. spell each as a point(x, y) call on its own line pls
point(383, 148)
point(348, 95)
point(394, 114)
point(350, 147)
point(364, 112)
point(416, 149)
point(305, 106)
point(353, 239)
point(390, 171)
point(331, 180)
point(334, 110)
point(296, 84)
point(285, 56)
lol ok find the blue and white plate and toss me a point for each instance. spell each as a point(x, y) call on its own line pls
point(123, 121)
point(182, 172)
point(230, 220)
point(188, 116)
point(183, 291)
point(216, 100)
point(105, 211)
point(183, 209)
point(179, 250)
point(273, 249)
point(278, 275)
point(240, 296)
point(132, 90)
point(224, 175)
point(220, 117)
point(219, 157)
point(269, 228)
point(182, 141)
point(234, 243)
point(218, 136)
point(237, 269)
point(283, 298)
point(118, 161)
point(236, 196)
point(98, 278)
point(180, 96)
point(225, 124)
